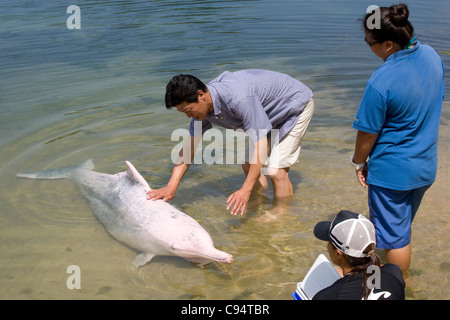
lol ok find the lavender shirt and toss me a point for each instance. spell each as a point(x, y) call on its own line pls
point(255, 101)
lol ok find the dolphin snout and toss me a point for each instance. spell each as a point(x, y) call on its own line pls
point(227, 259)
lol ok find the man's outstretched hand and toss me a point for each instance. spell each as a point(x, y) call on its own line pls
point(165, 194)
point(239, 199)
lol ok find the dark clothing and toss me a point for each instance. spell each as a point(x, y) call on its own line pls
point(392, 286)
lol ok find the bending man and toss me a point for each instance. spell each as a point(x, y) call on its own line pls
point(267, 105)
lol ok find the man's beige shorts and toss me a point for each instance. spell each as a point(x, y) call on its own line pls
point(286, 153)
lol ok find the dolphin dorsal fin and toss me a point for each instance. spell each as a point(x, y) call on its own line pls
point(133, 174)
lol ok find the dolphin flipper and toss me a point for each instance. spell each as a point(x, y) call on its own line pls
point(142, 259)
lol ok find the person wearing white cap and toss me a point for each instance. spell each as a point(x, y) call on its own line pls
point(351, 244)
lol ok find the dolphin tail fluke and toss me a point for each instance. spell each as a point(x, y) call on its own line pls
point(60, 173)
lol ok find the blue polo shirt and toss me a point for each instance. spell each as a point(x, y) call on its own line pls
point(402, 104)
point(256, 101)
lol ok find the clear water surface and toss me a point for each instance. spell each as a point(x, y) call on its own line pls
point(98, 92)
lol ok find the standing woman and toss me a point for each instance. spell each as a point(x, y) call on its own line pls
point(397, 122)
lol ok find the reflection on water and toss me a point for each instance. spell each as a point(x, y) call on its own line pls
point(97, 92)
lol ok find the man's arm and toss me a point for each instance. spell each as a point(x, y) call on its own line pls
point(240, 198)
point(185, 158)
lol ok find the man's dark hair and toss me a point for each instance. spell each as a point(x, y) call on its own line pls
point(183, 87)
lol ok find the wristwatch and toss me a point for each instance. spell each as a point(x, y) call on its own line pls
point(357, 165)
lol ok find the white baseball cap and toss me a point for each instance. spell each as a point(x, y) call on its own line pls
point(349, 232)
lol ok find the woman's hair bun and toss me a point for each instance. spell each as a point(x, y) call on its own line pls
point(399, 14)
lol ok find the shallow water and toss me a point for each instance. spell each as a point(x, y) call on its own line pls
point(69, 95)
